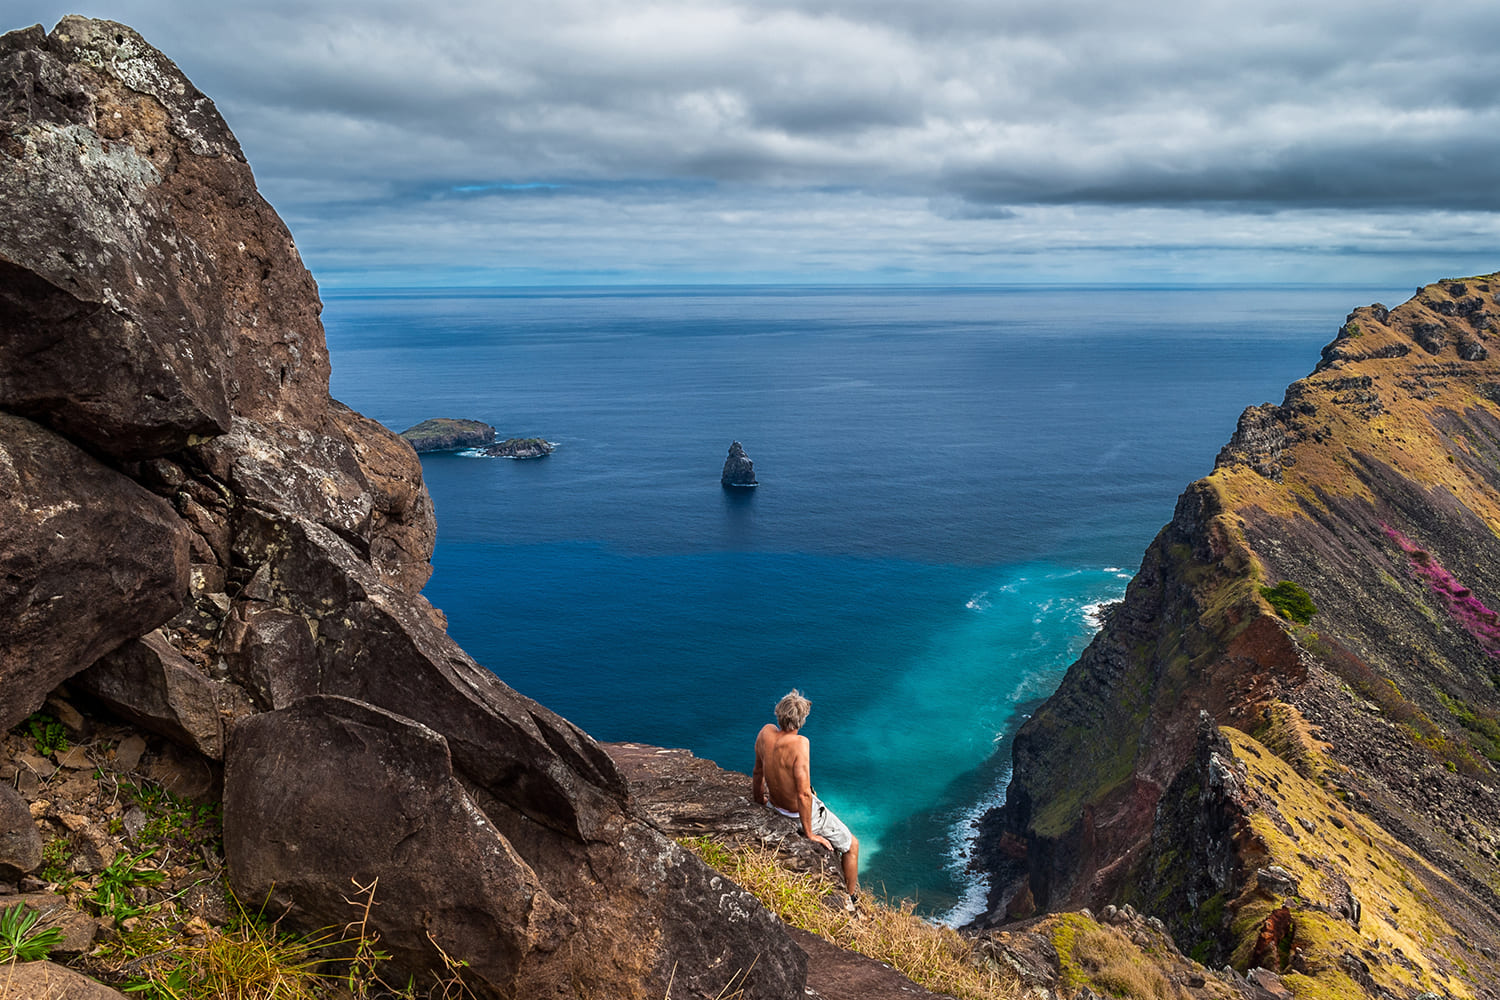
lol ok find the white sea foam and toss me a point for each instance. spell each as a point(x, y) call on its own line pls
point(963, 835)
point(1111, 569)
point(979, 602)
point(1092, 615)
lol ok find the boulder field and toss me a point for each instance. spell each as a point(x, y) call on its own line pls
point(194, 534)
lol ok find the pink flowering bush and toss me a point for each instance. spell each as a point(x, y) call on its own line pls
point(1470, 612)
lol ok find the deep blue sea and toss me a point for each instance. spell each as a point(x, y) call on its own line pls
point(952, 481)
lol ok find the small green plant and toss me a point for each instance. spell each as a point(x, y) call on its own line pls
point(114, 895)
point(1290, 601)
point(47, 734)
point(55, 858)
point(175, 823)
point(20, 941)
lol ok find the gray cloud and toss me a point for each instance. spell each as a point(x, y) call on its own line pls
point(974, 109)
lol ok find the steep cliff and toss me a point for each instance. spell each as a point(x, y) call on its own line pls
point(1323, 599)
point(193, 533)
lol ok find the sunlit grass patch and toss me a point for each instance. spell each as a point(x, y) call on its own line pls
point(935, 957)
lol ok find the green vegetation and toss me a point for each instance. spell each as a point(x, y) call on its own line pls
point(1290, 601)
point(114, 896)
point(47, 734)
point(253, 959)
point(56, 855)
point(937, 958)
point(177, 824)
point(20, 941)
point(1484, 725)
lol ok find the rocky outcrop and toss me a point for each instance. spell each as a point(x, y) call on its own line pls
point(738, 469)
point(236, 560)
point(1373, 489)
point(448, 434)
point(520, 448)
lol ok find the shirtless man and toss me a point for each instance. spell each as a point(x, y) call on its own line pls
point(781, 767)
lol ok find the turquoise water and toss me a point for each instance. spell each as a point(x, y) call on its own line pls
point(952, 481)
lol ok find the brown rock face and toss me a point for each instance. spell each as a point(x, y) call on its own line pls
point(88, 559)
point(224, 539)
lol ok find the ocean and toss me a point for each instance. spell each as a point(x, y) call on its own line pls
point(953, 480)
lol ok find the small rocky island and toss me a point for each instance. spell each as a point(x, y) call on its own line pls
point(739, 471)
point(520, 448)
point(446, 434)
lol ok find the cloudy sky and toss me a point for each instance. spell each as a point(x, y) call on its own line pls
point(1080, 141)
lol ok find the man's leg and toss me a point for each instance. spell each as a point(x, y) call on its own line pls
point(851, 866)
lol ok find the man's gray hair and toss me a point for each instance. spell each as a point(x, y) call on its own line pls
point(792, 709)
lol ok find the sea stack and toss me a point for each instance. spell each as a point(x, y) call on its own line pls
point(738, 469)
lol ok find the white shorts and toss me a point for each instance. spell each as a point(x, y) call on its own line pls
point(824, 824)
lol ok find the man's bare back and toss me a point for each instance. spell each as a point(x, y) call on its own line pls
point(783, 770)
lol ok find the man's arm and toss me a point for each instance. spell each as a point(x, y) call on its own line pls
point(758, 776)
point(803, 771)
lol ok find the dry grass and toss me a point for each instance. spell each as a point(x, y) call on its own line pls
point(1104, 959)
point(934, 957)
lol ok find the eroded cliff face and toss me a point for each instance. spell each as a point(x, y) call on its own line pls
point(1357, 748)
point(193, 534)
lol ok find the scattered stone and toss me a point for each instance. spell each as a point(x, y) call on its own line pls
point(49, 981)
point(74, 759)
point(73, 722)
point(20, 843)
point(128, 753)
point(739, 470)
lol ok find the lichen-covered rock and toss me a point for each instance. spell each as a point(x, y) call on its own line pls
point(150, 291)
point(88, 559)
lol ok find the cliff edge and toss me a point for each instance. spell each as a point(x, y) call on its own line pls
point(1284, 740)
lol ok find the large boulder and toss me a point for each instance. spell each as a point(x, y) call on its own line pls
point(88, 559)
point(380, 805)
point(155, 686)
